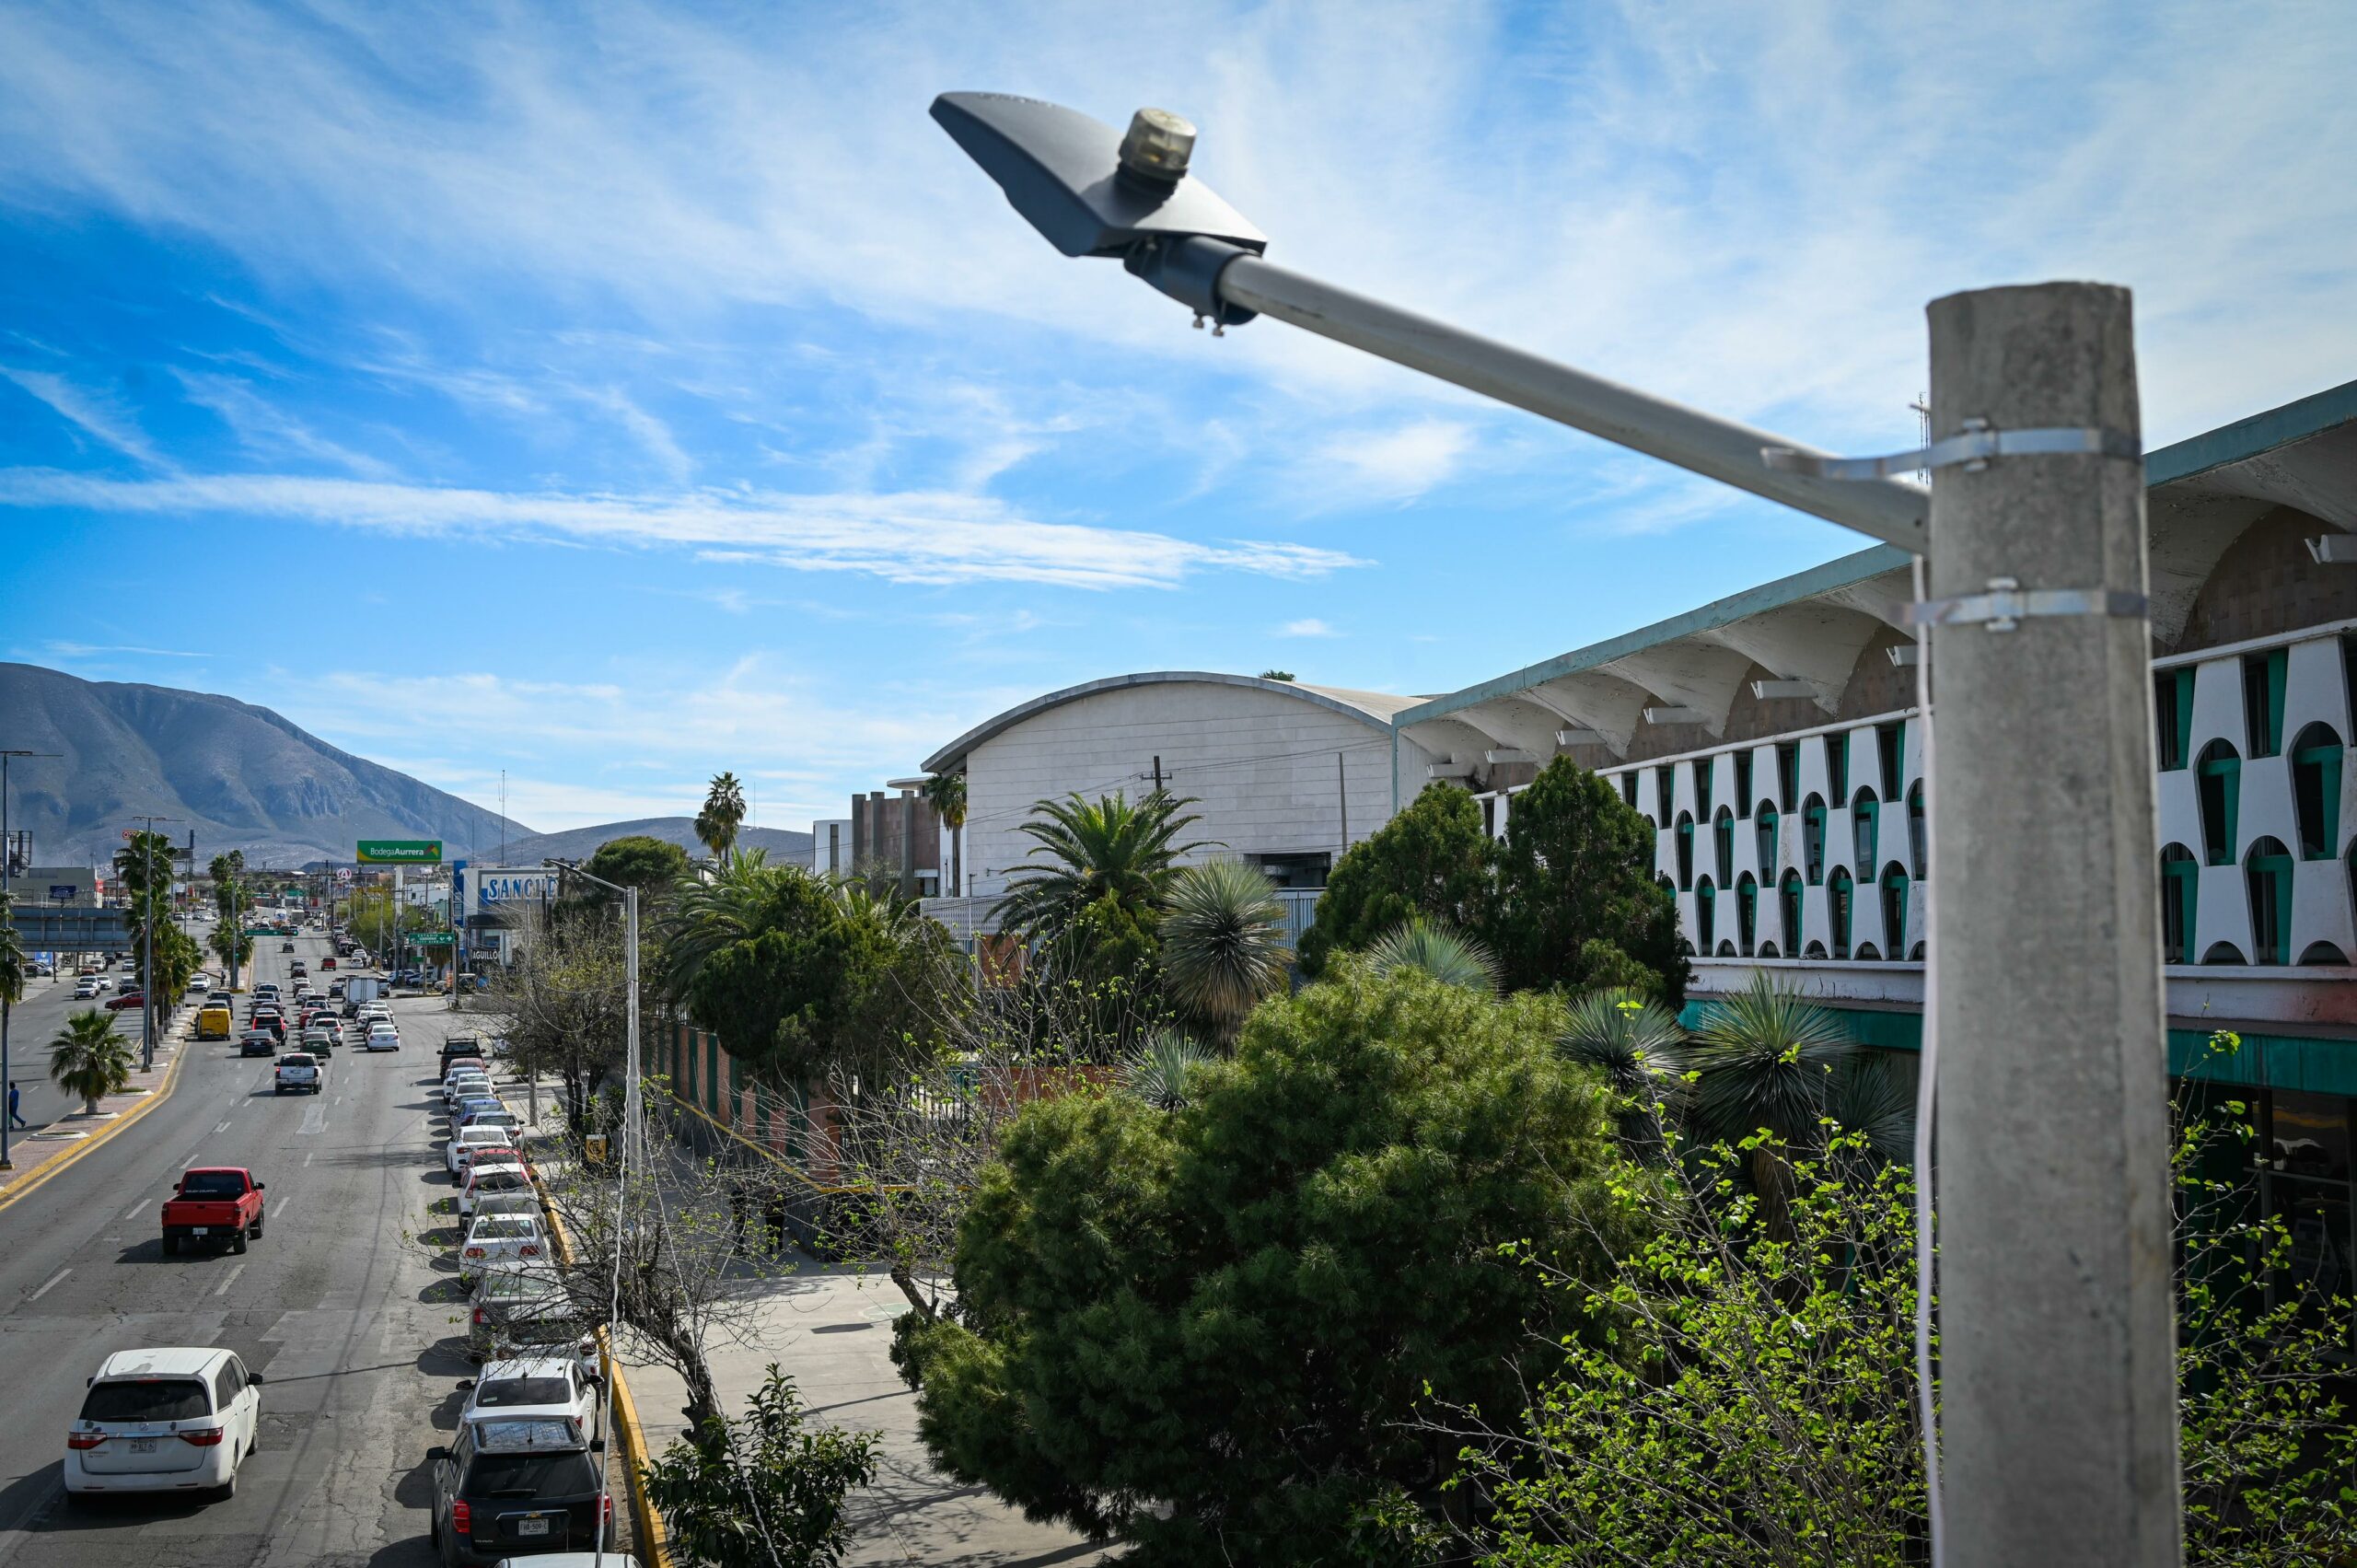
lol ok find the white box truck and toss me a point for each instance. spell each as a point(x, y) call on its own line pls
point(359, 988)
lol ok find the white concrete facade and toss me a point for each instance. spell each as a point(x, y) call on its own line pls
point(1278, 771)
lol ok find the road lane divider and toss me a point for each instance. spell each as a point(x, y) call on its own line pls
point(52, 1285)
point(228, 1279)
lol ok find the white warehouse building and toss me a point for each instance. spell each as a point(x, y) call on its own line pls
point(1284, 777)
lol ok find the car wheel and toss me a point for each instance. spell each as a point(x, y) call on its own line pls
point(256, 1232)
point(227, 1489)
point(172, 1246)
point(238, 1242)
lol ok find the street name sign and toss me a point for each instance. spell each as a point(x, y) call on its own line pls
point(429, 938)
point(400, 851)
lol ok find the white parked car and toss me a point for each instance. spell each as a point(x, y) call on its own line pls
point(381, 1036)
point(85, 990)
point(495, 1240)
point(463, 1143)
point(484, 1180)
point(175, 1420)
point(459, 1086)
point(551, 1388)
point(479, 1115)
point(525, 1202)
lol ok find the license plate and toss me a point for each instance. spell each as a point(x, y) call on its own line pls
point(537, 1525)
point(199, 1230)
point(143, 1445)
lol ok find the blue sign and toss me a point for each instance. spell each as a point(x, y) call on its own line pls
point(62, 891)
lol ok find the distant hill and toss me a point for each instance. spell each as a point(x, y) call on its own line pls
point(580, 844)
point(241, 776)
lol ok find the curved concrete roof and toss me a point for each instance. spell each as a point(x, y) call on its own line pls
point(1373, 709)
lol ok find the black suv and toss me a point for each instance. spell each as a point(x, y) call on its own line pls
point(496, 1499)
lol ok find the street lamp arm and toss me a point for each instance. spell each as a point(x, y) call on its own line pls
point(1701, 443)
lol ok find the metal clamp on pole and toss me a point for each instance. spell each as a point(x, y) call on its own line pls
point(1971, 448)
point(2006, 604)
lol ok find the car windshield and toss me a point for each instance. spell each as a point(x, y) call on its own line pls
point(511, 1392)
point(212, 1184)
point(530, 1475)
point(146, 1398)
point(508, 1203)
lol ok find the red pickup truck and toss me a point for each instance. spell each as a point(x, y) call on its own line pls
point(213, 1203)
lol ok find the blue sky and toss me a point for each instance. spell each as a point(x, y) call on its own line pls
point(612, 395)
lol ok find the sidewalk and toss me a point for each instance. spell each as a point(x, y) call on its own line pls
point(830, 1329)
point(39, 1151)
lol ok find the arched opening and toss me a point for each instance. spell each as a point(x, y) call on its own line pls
point(1722, 847)
point(2180, 887)
point(2322, 953)
point(1788, 910)
point(2316, 790)
point(1814, 950)
point(1915, 954)
point(1813, 838)
point(1685, 851)
point(1706, 911)
point(1894, 907)
point(2223, 953)
point(1918, 840)
point(1763, 828)
point(1747, 915)
point(1864, 821)
point(1837, 906)
point(1868, 953)
point(2219, 777)
point(2267, 876)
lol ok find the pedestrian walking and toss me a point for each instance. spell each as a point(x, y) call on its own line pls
point(14, 1118)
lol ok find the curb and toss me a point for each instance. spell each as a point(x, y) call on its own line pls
point(162, 1092)
point(653, 1543)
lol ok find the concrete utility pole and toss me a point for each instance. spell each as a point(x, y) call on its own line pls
point(2056, 1330)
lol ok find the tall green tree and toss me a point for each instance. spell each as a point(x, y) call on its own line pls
point(724, 810)
point(1576, 890)
point(947, 794)
point(1091, 850)
point(1206, 1331)
point(654, 866)
point(1222, 943)
point(1430, 860)
point(88, 1058)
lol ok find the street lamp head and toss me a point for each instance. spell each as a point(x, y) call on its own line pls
point(1091, 190)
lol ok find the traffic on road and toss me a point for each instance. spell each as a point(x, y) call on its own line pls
point(331, 1332)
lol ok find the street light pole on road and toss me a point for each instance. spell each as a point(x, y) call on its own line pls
point(7, 902)
point(2057, 1342)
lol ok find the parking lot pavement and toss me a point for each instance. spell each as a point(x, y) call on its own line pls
point(830, 1329)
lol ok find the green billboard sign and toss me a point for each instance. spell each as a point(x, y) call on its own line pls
point(400, 851)
point(429, 938)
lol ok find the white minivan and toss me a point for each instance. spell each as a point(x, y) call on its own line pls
point(181, 1419)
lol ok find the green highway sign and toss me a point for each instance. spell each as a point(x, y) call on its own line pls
point(429, 938)
point(400, 851)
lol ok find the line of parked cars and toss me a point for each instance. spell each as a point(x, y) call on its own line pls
point(524, 1473)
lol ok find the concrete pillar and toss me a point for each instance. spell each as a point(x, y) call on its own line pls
point(2057, 1337)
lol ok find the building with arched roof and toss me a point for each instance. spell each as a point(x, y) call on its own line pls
point(1283, 776)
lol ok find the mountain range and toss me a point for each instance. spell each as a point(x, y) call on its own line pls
point(241, 776)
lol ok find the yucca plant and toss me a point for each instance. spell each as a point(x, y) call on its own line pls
point(1439, 951)
point(1162, 1071)
point(1222, 943)
point(1635, 1041)
point(1764, 1060)
point(88, 1058)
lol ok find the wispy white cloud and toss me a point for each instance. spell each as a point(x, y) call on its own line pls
point(1396, 464)
point(648, 432)
point(1309, 627)
point(93, 650)
point(266, 430)
point(92, 412)
point(915, 538)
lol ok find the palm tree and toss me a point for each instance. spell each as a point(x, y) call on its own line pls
point(1438, 950)
point(947, 794)
point(724, 809)
point(706, 916)
point(1162, 1071)
point(1110, 848)
point(87, 1058)
point(1222, 943)
point(1635, 1041)
point(1766, 1059)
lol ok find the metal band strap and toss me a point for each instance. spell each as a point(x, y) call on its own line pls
point(1973, 447)
point(2006, 604)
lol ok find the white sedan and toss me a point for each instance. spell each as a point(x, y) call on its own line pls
point(460, 1152)
point(544, 1387)
point(501, 1240)
point(459, 1086)
point(484, 1180)
point(174, 1420)
point(381, 1036)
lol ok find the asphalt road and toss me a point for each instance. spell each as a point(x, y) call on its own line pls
point(35, 1021)
point(347, 1306)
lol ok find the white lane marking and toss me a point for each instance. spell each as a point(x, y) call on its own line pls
point(223, 1128)
point(52, 1285)
point(136, 1210)
point(278, 1209)
point(228, 1279)
point(308, 1159)
point(314, 1119)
